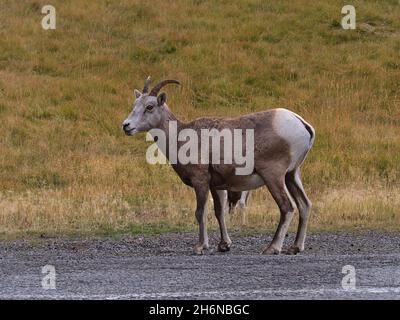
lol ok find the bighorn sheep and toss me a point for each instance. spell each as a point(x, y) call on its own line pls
point(282, 140)
point(235, 198)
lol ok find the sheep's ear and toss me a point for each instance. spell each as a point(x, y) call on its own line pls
point(162, 98)
point(137, 93)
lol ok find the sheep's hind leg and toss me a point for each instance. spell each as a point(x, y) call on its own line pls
point(242, 205)
point(276, 185)
point(295, 187)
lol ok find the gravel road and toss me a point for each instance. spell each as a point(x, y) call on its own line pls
point(163, 267)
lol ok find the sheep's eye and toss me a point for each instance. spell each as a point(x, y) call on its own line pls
point(149, 107)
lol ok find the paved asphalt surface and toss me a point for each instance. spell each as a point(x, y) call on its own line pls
point(163, 267)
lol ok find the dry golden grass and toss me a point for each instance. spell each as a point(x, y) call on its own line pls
point(65, 166)
point(63, 212)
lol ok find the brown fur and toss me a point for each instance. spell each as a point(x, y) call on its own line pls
point(222, 176)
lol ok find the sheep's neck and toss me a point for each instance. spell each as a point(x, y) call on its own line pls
point(170, 125)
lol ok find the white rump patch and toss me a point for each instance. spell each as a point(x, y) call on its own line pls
point(288, 126)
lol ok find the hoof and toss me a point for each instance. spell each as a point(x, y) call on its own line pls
point(224, 246)
point(270, 250)
point(199, 249)
point(293, 250)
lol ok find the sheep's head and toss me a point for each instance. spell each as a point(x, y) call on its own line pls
point(148, 109)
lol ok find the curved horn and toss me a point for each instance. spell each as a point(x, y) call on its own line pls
point(146, 85)
point(158, 87)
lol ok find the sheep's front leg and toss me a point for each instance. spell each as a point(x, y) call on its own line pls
point(201, 216)
point(220, 200)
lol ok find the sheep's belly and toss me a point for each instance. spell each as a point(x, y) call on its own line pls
point(243, 183)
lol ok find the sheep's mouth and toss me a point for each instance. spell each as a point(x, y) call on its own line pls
point(130, 132)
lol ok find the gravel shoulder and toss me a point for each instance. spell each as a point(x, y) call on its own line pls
point(163, 267)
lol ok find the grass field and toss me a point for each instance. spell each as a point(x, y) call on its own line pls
point(66, 166)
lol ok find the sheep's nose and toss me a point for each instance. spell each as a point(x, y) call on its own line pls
point(125, 125)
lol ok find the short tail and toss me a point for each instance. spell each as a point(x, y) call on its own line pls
point(309, 128)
